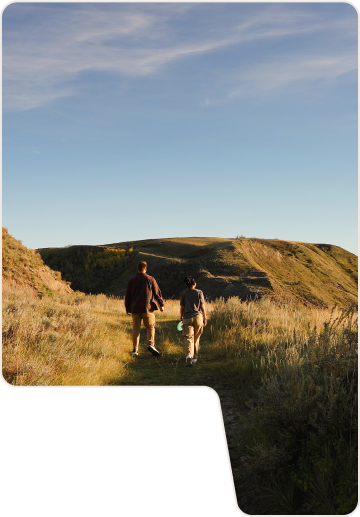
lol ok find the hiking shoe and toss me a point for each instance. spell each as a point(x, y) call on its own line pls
point(194, 361)
point(134, 352)
point(153, 350)
point(188, 360)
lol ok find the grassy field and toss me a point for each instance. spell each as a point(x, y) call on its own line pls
point(86, 340)
point(286, 376)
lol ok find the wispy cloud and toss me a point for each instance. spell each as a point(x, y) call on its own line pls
point(265, 77)
point(45, 53)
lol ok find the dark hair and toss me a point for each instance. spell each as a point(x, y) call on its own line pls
point(189, 281)
point(142, 265)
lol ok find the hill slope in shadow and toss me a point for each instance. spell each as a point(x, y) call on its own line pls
point(318, 274)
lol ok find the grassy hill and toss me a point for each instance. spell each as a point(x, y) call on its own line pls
point(317, 274)
point(24, 270)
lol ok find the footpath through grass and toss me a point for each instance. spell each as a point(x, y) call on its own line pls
point(78, 340)
point(170, 369)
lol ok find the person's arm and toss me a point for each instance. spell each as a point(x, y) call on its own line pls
point(182, 307)
point(203, 311)
point(203, 308)
point(158, 296)
point(127, 298)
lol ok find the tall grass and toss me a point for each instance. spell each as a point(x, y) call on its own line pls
point(75, 339)
point(61, 341)
point(297, 443)
point(290, 373)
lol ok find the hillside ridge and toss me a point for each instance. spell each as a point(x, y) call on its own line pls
point(23, 270)
point(317, 274)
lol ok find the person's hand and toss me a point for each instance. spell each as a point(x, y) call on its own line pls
point(162, 308)
point(129, 313)
point(205, 321)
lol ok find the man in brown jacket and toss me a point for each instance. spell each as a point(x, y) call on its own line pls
point(141, 291)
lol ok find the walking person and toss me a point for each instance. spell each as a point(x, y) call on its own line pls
point(193, 316)
point(141, 291)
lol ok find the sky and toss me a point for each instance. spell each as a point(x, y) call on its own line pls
point(129, 121)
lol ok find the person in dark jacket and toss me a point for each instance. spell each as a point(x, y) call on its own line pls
point(141, 292)
point(193, 316)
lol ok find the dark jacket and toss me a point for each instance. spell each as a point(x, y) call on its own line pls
point(141, 291)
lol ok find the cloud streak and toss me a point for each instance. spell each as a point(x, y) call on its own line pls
point(43, 59)
point(267, 77)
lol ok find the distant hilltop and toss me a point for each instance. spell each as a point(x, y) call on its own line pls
point(318, 274)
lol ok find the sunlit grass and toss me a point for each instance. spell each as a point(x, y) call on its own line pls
point(297, 442)
point(78, 340)
point(67, 340)
point(291, 371)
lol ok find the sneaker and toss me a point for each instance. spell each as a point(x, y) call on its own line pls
point(188, 360)
point(134, 352)
point(194, 361)
point(153, 350)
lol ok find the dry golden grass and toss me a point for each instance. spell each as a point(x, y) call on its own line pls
point(288, 373)
point(72, 339)
point(297, 428)
point(64, 340)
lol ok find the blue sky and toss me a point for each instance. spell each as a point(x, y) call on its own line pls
point(137, 121)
